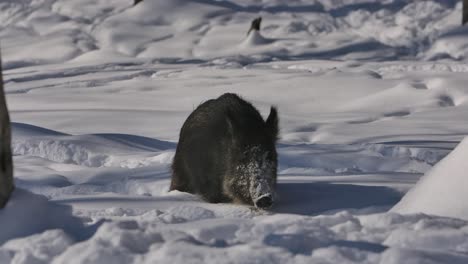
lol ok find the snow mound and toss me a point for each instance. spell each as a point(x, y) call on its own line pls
point(39, 248)
point(442, 191)
point(27, 214)
point(88, 150)
point(337, 238)
point(450, 45)
point(255, 39)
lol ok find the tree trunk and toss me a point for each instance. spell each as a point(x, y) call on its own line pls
point(6, 163)
point(256, 23)
point(465, 12)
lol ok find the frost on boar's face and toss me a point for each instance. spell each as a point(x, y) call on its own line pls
point(258, 170)
point(255, 171)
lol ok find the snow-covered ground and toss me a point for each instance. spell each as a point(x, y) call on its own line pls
point(371, 94)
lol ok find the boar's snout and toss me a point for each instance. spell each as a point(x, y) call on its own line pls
point(264, 202)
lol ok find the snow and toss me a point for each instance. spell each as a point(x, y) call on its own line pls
point(255, 39)
point(443, 190)
point(25, 206)
point(371, 96)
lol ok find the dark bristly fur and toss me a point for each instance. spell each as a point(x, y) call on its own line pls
point(226, 152)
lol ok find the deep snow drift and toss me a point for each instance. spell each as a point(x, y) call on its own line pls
point(371, 96)
point(443, 190)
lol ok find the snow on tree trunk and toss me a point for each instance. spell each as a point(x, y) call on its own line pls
point(6, 164)
point(465, 12)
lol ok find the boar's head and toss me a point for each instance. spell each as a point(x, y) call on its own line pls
point(254, 159)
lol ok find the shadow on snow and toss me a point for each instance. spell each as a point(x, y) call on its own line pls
point(318, 198)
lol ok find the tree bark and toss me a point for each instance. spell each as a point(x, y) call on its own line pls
point(6, 163)
point(256, 23)
point(465, 12)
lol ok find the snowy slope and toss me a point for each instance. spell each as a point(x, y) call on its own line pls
point(371, 95)
point(443, 190)
point(183, 29)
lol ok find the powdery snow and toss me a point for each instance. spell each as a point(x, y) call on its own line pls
point(443, 190)
point(371, 96)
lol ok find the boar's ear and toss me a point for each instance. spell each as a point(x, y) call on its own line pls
point(272, 123)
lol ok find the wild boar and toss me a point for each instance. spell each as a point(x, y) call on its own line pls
point(227, 153)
